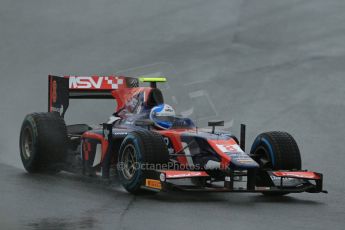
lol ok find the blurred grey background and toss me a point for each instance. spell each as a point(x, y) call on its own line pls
point(274, 65)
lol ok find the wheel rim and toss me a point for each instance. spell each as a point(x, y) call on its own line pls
point(129, 159)
point(27, 144)
point(262, 157)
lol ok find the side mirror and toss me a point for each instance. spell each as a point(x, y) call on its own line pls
point(213, 124)
point(144, 122)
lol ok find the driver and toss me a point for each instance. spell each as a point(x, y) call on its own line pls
point(163, 116)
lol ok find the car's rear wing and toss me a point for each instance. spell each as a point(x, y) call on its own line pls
point(62, 88)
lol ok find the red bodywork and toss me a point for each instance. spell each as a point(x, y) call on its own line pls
point(298, 174)
point(94, 136)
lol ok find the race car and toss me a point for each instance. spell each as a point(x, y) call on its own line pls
point(147, 147)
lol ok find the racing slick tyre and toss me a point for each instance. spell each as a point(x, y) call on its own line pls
point(140, 149)
point(275, 151)
point(43, 142)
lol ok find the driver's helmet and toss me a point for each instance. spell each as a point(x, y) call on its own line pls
point(163, 116)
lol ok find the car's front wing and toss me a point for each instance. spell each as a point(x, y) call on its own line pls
point(282, 181)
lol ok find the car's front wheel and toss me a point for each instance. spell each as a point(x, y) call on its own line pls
point(139, 151)
point(275, 151)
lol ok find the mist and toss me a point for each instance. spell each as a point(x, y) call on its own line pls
point(273, 65)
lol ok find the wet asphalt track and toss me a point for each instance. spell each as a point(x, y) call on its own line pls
point(275, 65)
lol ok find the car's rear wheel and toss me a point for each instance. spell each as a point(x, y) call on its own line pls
point(275, 151)
point(137, 149)
point(43, 142)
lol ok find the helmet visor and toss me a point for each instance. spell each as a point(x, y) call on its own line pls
point(166, 118)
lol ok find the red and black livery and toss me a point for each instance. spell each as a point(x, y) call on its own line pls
point(142, 157)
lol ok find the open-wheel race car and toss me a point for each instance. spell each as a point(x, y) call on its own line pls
point(149, 148)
